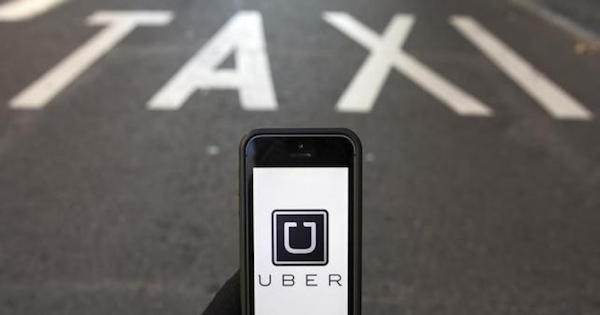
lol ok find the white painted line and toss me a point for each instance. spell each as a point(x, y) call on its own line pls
point(366, 85)
point(558, 103)
point(118, 25)
point(243, 36)
point(386, 53)
point(561, 21)
point(20, 10)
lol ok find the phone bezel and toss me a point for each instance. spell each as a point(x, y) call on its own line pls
point(276, 148)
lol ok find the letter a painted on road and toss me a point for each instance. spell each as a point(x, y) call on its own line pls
point(243, 36)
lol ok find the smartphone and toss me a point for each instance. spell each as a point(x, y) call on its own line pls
point(300, 222)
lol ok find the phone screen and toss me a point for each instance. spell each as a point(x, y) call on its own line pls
point(300, 240)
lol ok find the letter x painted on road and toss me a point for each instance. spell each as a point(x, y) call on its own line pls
point(360, 96)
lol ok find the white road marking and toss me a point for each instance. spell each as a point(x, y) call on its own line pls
point(118, 25)
point(550, 96)
point(242, 35)
point(385, 53)
point(20, 10)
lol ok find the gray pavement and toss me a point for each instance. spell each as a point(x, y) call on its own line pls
point(585, 12)
point(107, 207)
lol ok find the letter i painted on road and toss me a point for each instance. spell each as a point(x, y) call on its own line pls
point(558, 103)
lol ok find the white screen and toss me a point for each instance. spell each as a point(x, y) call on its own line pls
point(300, 216)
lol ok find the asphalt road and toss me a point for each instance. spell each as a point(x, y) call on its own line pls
point(109, 207)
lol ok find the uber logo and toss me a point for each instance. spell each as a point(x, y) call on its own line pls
point(300, 237)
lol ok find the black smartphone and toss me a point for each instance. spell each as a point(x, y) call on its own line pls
point(300, 222)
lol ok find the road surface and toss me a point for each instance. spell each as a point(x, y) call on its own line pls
point(120, 123)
